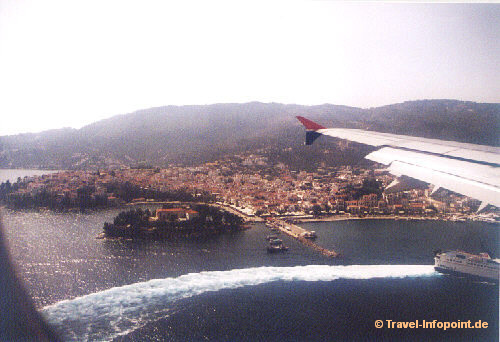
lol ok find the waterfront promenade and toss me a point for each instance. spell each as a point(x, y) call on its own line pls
point(230, 209)
point(235, 211)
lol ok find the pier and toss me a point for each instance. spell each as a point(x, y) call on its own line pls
point(298, 233)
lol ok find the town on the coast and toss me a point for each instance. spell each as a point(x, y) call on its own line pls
point(250, 185)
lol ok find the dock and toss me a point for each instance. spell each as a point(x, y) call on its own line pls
point(298, 233)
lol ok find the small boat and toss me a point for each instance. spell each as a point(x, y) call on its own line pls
point(310, 235)
point(271, 237)
point(276, 245)
point(274, 249)
point(460, 263)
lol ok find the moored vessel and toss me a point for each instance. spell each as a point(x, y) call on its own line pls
point(276, 245)
point(271, 237)
point(310, 235)
point(479, 266)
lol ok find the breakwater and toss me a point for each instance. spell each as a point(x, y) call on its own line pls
point(300, 234)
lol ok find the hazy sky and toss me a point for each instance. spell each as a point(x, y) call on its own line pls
point(70, 63)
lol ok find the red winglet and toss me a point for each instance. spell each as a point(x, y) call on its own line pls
point(309, 124)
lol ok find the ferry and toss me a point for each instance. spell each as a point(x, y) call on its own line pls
point(460, 263)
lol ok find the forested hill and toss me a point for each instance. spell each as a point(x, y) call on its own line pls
point(193, 134)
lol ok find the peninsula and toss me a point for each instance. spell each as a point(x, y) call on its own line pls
point(172, 222)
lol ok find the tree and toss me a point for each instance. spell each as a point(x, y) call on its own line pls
point(316, 209)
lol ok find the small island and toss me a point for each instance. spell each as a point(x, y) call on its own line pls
point(169, 222)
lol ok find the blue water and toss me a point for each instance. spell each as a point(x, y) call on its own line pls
point(403, 242)
point(228, 288)
point(340, 310)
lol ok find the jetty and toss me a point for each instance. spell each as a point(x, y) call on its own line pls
point(298, 233)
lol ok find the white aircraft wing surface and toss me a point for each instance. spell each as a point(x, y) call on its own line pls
point(468, 169)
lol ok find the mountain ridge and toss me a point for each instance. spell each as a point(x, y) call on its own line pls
point(192, 134)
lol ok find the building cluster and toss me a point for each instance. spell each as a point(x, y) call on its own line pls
point(174, 214)
point(255, 186)
point(67, 186)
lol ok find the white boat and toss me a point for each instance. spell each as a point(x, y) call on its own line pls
point(460, 263)
point(276, 245)
point(310, 235)
point(271, 237)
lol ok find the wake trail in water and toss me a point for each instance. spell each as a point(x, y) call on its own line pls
point(107, 314)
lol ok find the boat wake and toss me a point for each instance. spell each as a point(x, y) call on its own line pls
point(120, 310)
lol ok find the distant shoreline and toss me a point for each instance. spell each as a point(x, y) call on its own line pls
point(248, 218)
point(319, 219)
point(29, 169)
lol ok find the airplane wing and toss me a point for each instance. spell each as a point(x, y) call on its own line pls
point(468, 169)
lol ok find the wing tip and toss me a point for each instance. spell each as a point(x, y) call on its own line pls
point(308, 124)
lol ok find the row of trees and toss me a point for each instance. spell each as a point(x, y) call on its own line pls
point(7, 187)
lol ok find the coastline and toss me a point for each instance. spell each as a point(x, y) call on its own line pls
point(331, 218)
point(368, 217)
point(254, 218)
point(395, 218)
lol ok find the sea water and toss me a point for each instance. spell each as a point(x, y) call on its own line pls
point(229, 288)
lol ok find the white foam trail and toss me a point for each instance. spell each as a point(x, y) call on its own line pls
point(117, 311)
